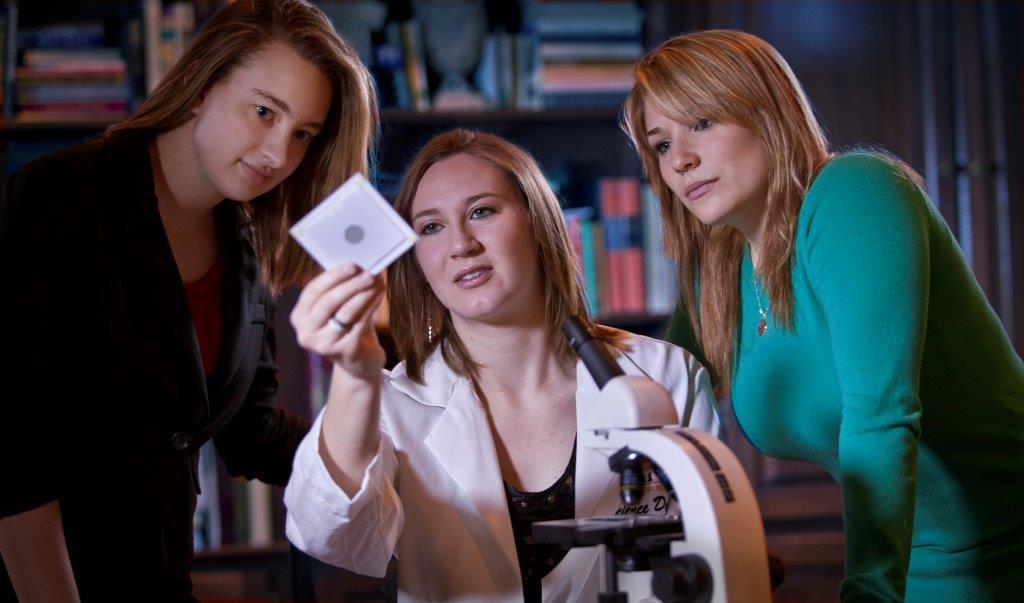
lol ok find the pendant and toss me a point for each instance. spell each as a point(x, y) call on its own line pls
point(762, 326)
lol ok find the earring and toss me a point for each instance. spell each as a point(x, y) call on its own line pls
point(430, 319)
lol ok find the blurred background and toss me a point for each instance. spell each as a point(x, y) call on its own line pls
point(937, 82)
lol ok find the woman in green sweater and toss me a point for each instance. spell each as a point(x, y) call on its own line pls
point(828, 297)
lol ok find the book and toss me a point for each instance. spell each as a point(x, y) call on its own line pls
point(71, 72)
point(177, 25)
point(584, 51)
point(389, 70)
point(206, 530)
point(74, 107)
point(601, 269)
point(590, 260)
point(239, 501)
point(71, 92)
point(67, 57)
point(3, 52)
point(615, 242)
point(415, 65)
point(62, 35)
point(399, 71)
point(627, 190)
point(660, 271)
point(524, 67)
point(584, 19)
point(261, 524)
point(581, 99)
point(488, 72)
point(10, 55)
point(152, 15)
point(584, 77)
point(619, 247)
point(574, 218)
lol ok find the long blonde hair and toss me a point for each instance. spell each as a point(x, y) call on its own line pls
point(411, 303)
point(229, 39)
point(733, 77)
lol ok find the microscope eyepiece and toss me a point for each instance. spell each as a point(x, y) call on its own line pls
point(592, 352)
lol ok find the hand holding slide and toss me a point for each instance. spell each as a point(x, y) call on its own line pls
point(354, 234)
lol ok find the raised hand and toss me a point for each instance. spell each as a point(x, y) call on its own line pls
point(334, 318)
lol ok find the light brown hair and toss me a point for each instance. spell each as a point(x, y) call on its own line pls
point(411, 303)
point(734, 77)
point(230, 38)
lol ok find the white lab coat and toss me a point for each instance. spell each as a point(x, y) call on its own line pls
point(433, 496)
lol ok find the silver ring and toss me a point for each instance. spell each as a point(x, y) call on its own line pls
point(339, 326)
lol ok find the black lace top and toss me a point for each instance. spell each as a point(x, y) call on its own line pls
point(558, 501)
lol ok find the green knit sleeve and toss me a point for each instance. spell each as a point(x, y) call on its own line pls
point(864, 231)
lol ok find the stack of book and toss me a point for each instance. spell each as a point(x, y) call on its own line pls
point(231, 511)
point(401, 61)
point(618, 243)
point(168, 29)
point(586, 51)
point(68, 75)
point(505, 74)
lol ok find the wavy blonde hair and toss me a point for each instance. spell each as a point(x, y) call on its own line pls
point(734, 77)
point(412, 305)
point(232, 36)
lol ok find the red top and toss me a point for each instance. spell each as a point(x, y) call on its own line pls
point(207, 316)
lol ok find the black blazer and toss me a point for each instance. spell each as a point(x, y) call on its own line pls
point(104, 403)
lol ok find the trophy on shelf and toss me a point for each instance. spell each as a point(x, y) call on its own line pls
point(453, 34)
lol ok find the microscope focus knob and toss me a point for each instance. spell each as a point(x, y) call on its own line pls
point(684, 579)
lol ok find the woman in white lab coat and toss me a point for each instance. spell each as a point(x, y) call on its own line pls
point(446, 460)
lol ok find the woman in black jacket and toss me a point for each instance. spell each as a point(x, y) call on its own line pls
point(138, 272)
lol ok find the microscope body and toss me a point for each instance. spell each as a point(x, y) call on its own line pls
point(715, 552)
point(720, 515)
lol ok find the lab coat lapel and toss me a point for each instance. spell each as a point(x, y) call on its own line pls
point(463, 427)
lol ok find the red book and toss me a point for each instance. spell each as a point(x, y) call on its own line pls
point(614, 245)
point(628, 189)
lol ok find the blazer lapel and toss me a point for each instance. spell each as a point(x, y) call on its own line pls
point(239, 294)
point(152, 263)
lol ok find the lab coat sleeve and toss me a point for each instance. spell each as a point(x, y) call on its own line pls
point(358, 533)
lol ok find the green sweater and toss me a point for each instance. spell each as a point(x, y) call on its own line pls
point(899, 380)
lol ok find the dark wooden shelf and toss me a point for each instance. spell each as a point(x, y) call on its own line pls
point(402, 117)
point(228, 552)
point(395, 117)
point(239, 571)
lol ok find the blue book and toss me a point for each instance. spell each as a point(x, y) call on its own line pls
point(65, 35)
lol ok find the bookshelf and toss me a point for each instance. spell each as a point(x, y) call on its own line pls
point(72, 67)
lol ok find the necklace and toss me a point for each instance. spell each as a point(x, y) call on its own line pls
point(762, 325)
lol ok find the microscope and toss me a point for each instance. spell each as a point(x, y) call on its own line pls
point(714, 550)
